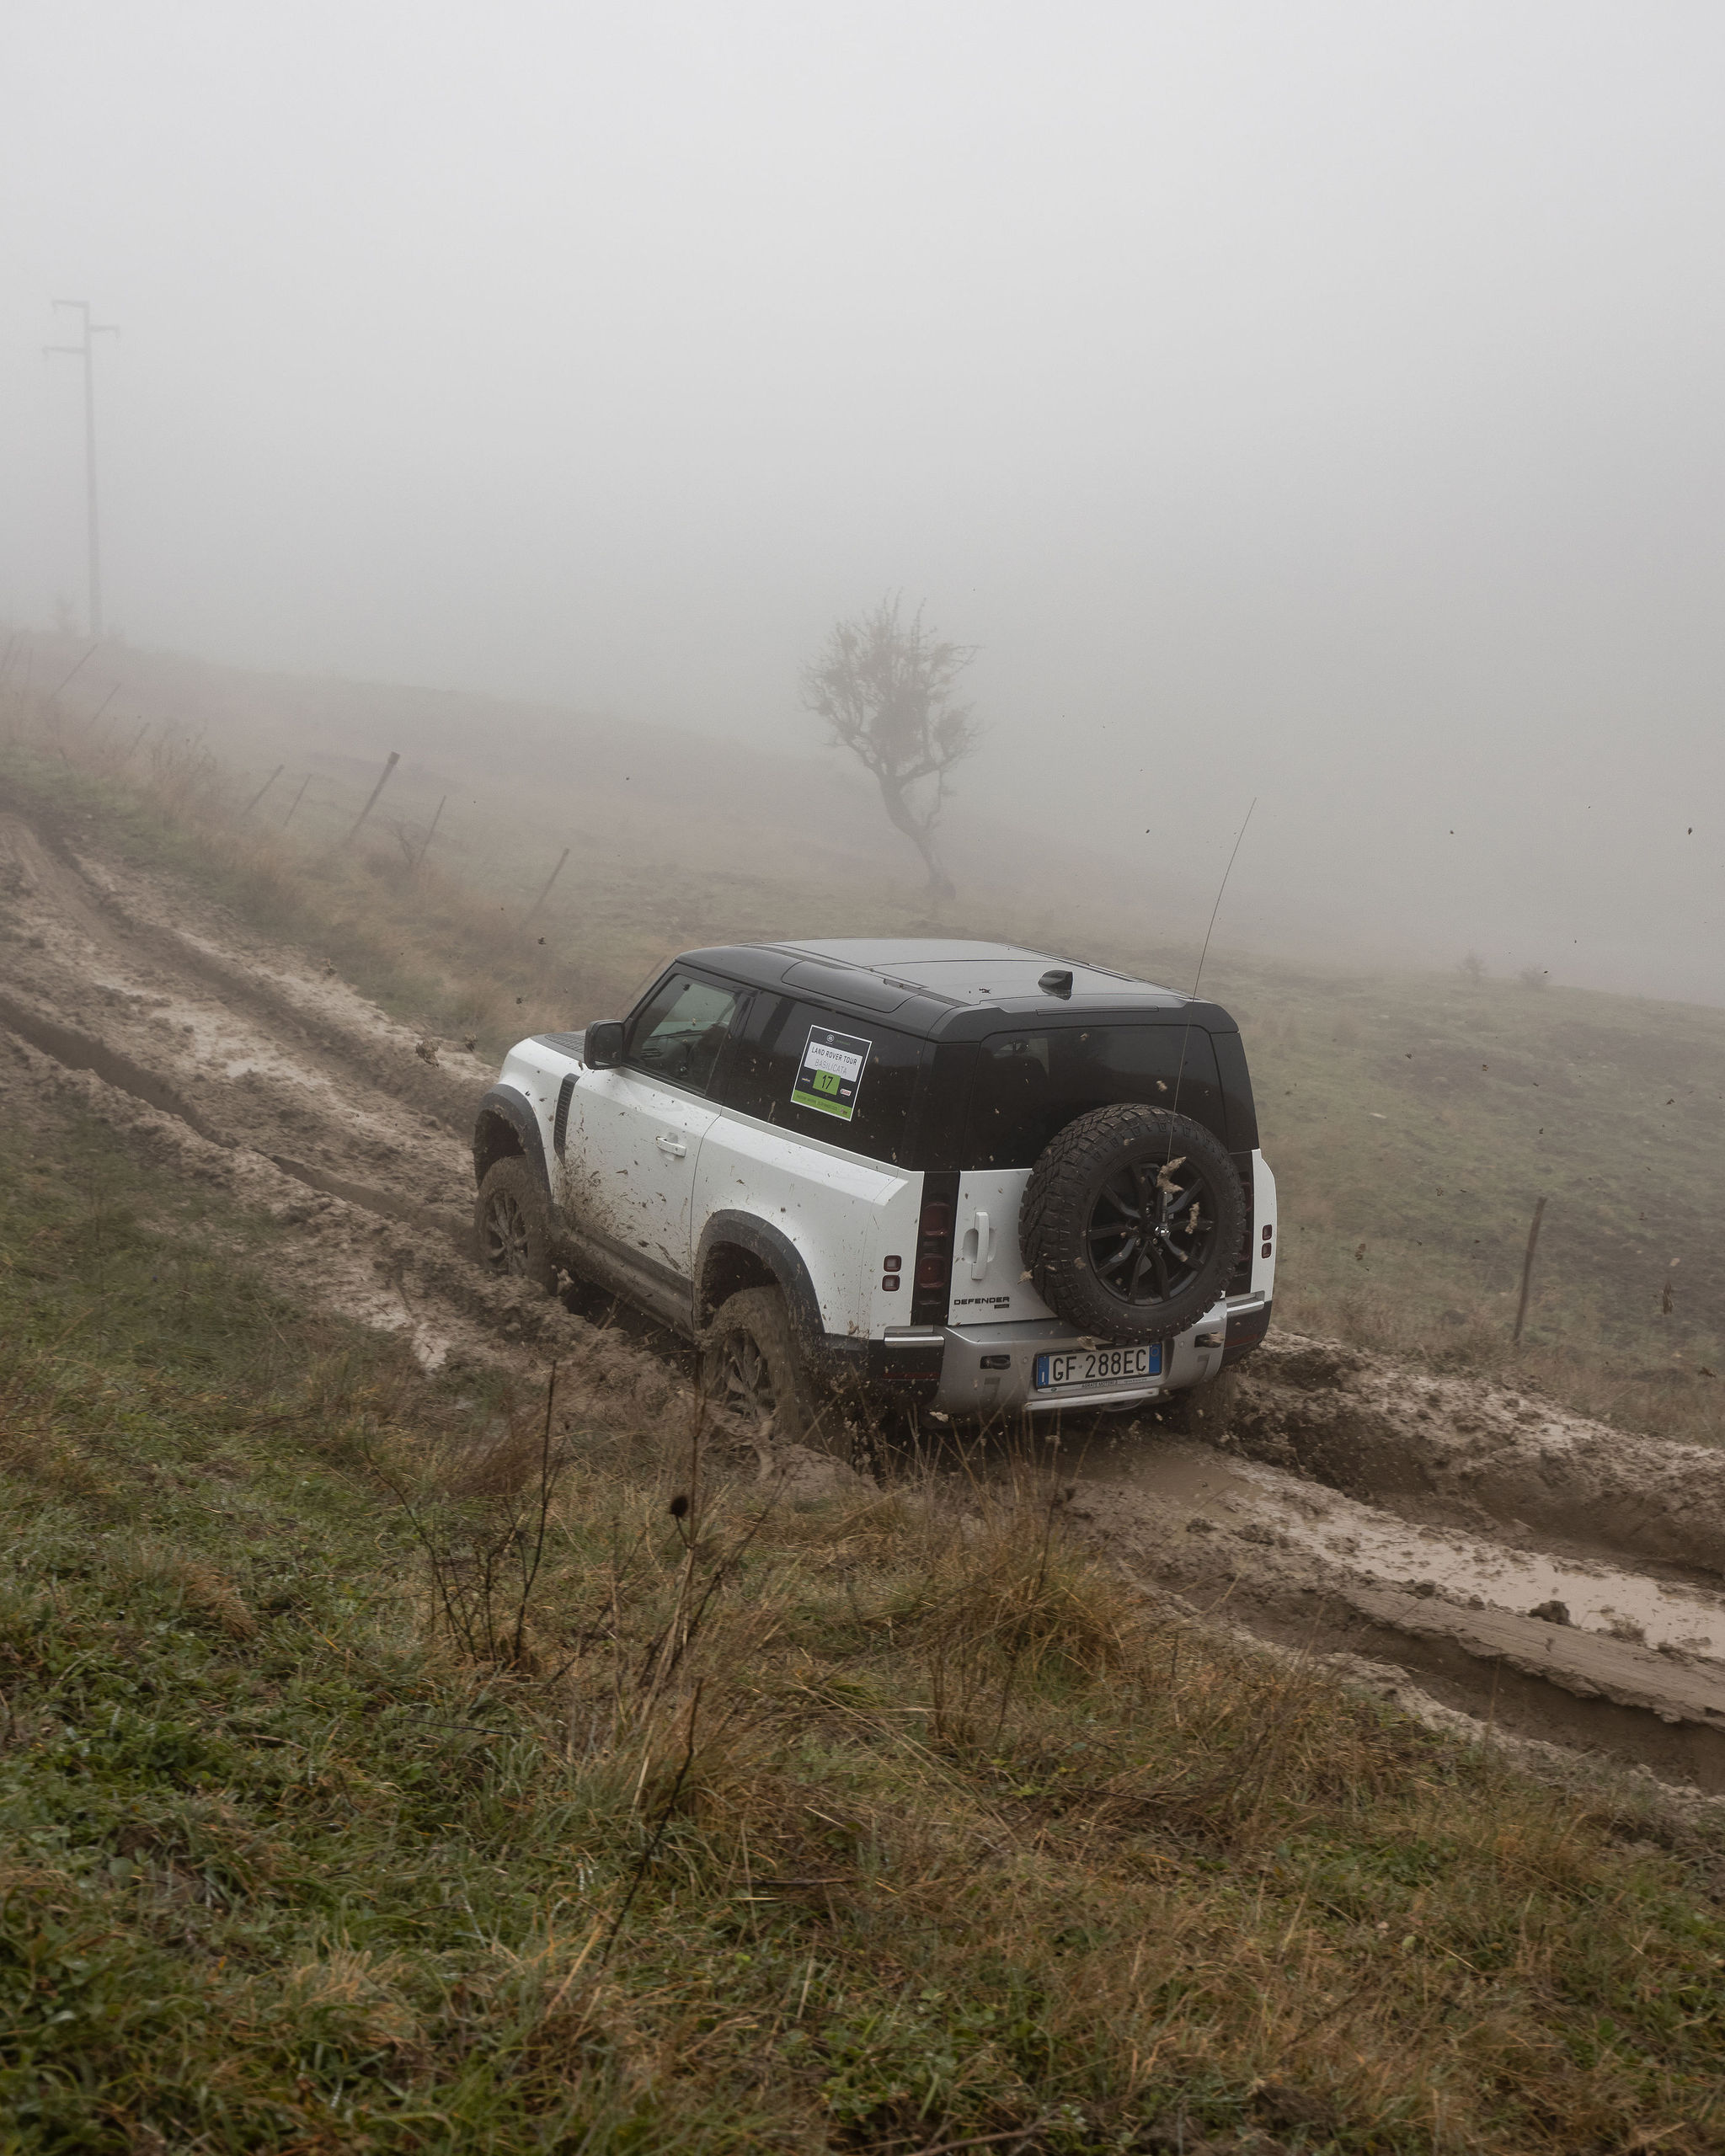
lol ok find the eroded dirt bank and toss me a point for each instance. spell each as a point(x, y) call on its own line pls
point(1554, 1574)
point(1575, 1650)
point(1450, 1452)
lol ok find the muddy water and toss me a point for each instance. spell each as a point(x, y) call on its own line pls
point(1295, 1527)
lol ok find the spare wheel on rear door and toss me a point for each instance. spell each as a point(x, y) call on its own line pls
point(1131, 1222)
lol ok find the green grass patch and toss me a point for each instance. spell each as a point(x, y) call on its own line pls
point(886, 1823)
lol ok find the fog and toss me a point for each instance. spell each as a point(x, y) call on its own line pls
point(1321, 405)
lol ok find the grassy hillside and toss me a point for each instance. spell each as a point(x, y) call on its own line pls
point(385, 1764)
point(1413, 1123)
point(854, 1822)
point(1412, 1120)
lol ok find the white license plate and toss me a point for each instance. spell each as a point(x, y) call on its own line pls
point(1097, 1366)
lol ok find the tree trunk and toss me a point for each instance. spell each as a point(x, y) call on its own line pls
point(904, 818)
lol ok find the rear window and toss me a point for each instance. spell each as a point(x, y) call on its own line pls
point(847, 1080)
point(1030, 1085)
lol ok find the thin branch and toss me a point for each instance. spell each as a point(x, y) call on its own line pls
point(652, 1848)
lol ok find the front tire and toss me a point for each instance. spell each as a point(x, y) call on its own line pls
point(512, 1223)
point(752, 1365)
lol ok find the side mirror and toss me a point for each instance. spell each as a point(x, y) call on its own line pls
point(602, 1043)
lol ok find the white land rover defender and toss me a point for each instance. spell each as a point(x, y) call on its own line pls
point(959, 1174)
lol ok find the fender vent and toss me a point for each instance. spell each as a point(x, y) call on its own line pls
point(560, 1128)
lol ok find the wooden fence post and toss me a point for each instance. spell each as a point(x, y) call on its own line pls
point(431, 834)
point(382, 781)
point(533, 909)
point(1533, 1244)
point(264, 788)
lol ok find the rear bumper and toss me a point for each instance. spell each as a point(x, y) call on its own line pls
point(980, 1371)
point(990, 1369)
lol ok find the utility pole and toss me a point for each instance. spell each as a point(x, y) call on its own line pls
point(85, 351)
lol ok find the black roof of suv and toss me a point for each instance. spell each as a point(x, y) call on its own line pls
point(953, 990)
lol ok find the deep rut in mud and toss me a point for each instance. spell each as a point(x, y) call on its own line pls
point(1558, 1575)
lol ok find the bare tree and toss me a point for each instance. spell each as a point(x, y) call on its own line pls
point(1473, 967)
point(886, 689)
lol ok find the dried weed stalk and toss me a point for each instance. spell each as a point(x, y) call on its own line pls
point(484, 1543)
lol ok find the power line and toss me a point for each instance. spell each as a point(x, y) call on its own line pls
point(85, 351)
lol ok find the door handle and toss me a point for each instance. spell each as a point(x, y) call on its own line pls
point(985, 1247)
point(674, 1146)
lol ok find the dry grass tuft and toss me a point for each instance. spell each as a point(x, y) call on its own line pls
point(211, 1594)
point(503, 1461)
point(355, 1998)
point(197, 1587)
point(997, 1595)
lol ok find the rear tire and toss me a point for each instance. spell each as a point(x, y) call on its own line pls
point(512, 1223)
point(752, 1364)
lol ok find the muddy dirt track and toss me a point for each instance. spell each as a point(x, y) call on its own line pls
point(1447, 1542)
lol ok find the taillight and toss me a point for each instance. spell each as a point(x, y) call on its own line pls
point(930, 1284)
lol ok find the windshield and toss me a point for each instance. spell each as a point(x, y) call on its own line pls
point(1031, 1084)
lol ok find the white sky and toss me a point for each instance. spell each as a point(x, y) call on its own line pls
point(1322, 403)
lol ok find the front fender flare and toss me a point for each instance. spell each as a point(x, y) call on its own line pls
point(514, 1108)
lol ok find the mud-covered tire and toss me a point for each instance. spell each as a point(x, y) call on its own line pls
point(752, 1365)
point(1131, 1222)
point(512, 1224)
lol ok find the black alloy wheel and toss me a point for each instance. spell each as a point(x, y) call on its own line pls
point(743, 1380)
point(512, 1224)
point(752, 1367)
point(1131, 1221)
point(1151, 1231)
point(508, 1235)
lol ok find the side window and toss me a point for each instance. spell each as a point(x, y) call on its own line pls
point(848, 1080)
point(679, 1034)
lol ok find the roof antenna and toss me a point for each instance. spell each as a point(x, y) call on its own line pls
point(1179, 1076)
point(1217, 907)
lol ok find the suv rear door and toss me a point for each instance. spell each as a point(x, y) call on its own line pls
point(1030, 1083)
point(635, 1131)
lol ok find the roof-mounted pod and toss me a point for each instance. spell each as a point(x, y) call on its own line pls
point(855, 985)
